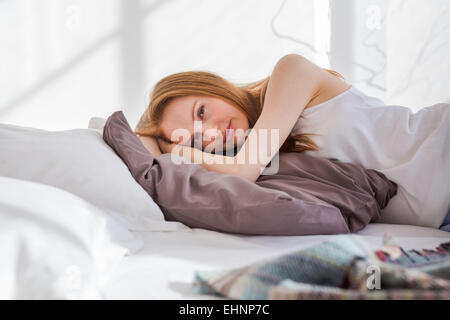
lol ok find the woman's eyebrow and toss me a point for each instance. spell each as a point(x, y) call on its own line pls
point(193, 109)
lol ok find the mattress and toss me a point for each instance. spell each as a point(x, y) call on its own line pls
point(165, 265)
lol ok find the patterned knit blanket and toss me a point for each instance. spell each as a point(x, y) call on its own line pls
point(341, 268)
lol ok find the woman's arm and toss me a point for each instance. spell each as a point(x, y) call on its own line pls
point(151, 145)
point(293, 83)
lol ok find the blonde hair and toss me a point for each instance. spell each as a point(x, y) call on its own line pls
point(247, 97)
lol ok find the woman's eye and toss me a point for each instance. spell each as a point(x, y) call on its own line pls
point(201, 112)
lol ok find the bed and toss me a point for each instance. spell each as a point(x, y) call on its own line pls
point(165, 265)
point(57, 245)
point(69, 229)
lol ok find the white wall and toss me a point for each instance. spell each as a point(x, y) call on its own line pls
point(63, 61)
point(358, 43)
point(418, 48)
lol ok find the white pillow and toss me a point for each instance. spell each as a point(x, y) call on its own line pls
point(55, 245)
point(80, 162)
point(97, 123)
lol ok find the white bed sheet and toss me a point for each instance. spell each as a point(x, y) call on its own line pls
point(164, 267)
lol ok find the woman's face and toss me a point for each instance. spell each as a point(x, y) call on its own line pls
point(219, 124)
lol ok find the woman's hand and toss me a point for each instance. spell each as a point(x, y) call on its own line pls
point(151, 145)
point(165, 146)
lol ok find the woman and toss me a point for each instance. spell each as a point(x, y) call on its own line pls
point(313, 110)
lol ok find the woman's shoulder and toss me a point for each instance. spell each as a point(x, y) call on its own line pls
point(330, 84)
point(331, 87)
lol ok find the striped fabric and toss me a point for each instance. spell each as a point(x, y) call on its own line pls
point(341, 268)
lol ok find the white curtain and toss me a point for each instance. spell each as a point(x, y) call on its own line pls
point(63, 61)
